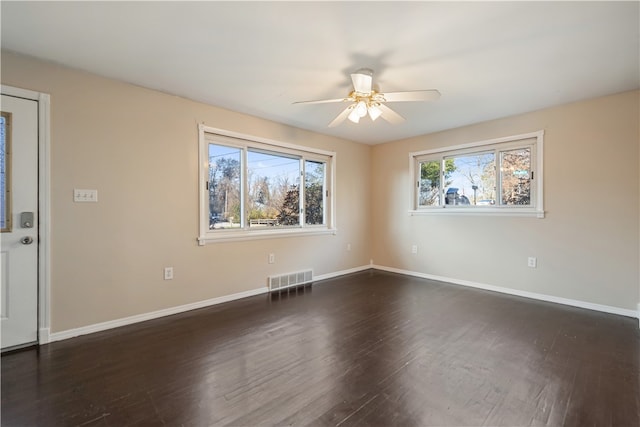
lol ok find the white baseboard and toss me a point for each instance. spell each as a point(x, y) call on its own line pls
point(532, 295)
point(46, 337)
point(97, 327)
point(342, 273)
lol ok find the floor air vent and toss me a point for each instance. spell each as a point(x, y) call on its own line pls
point(289, 280)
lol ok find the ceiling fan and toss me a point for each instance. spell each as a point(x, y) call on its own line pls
point(365, 100)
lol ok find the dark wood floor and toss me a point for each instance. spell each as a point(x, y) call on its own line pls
point(368, 349)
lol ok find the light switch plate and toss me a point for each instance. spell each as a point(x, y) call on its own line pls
point(81, 196)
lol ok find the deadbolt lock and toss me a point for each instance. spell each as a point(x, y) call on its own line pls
point(26, 220)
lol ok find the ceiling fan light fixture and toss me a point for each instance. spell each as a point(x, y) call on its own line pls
point(361, 108)
point(354, 116)
point(374, 112)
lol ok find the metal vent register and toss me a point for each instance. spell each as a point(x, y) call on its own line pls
point(289, 280)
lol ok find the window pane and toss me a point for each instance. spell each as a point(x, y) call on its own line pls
point(314, 192)
point(429, 190)
point(224, 187)
point(515, 166)
point(274, 193)
point(5, 172)
point(470, 179)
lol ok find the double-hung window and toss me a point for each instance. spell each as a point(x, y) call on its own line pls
point(498, 177)
point(257, 188)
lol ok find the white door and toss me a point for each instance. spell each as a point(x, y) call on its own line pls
point(19, 221)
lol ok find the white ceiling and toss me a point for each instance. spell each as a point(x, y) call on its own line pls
point(488, 59)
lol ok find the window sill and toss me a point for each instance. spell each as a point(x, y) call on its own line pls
point(514, 212)
point(237, 236)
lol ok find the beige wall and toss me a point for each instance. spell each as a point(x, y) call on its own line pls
point(587, 246)
point(139, 149)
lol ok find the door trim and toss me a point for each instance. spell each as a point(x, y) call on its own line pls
point(44, 205)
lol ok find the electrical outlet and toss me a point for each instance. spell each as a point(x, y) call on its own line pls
point(272, 258)
point(532, 262)
point(414, 249)
point(168, 273)
point(348, 246)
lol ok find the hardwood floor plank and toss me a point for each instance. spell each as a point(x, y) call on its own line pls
point(367, 349)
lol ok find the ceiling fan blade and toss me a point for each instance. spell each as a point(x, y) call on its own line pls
point(389, 115)
point(414, 95)
point(362, 81)
point(323, 101)
point(341, 117)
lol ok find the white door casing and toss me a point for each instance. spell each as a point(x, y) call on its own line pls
point(25, 268)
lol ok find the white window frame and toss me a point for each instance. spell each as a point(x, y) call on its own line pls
point(246, 142)
point(535, 140)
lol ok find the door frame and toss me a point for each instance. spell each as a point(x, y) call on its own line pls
point(44, 205)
